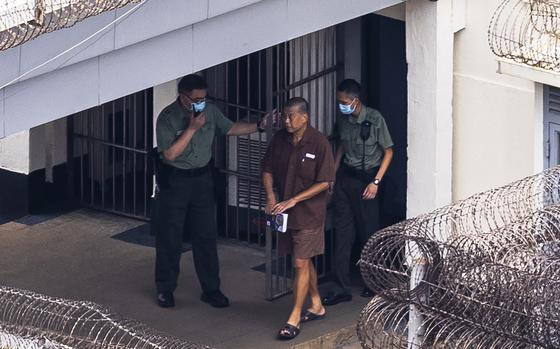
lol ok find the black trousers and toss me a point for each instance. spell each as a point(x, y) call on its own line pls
point(187, 200)
point(354, 218)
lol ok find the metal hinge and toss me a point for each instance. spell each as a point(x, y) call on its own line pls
point(547, 149)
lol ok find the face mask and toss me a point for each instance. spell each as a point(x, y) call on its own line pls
point(347, 109)
point(199, 107)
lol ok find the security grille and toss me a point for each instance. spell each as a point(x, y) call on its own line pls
point(110, 155)
point(245, 89)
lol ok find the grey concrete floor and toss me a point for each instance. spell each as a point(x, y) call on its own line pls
point(73, 256)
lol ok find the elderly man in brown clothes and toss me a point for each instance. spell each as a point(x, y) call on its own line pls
point(299, 163)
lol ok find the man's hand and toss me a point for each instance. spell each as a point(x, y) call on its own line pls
point(370, 192)
point(197, 122)
point(264, 120)
point(270, 203)
point(284, 206)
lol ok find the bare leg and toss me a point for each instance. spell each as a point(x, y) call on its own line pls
point(301, 287)
point(316, 305)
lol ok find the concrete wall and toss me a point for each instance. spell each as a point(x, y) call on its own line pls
point(41, 147)
point(14, 152)
point(496, 136)
point(161, 41)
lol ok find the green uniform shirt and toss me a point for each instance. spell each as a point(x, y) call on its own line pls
point(375, 145)
point(172, 121)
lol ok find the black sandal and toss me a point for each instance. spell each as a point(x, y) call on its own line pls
point(288, 332)
point(308, 315)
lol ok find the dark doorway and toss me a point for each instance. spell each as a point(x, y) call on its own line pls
point(385, 82)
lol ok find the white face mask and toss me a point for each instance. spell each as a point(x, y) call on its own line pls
point(347, 109)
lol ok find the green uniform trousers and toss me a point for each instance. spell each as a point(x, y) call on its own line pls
point(186, 199)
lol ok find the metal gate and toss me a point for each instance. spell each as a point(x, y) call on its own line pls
point(245, 88)
point(109, 153)
point(551, 126)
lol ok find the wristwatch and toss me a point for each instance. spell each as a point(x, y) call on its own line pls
point(376, 181)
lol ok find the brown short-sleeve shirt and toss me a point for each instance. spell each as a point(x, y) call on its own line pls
point(296, 168)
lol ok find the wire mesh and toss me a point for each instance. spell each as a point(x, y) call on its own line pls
point(490, 273)
point(528, 32)
point(30, 320)
point(24, 20)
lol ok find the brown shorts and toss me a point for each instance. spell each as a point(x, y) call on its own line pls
point(302, 244)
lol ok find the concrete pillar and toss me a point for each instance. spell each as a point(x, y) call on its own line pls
point(429, 43)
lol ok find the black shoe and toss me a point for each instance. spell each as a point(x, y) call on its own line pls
point(367, 293)
point(333, 299)
point(165, 299)
point(215, 299)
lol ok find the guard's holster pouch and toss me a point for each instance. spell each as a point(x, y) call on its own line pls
point(160, 170)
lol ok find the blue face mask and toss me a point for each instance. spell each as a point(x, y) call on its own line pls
point(199, 107)
point(347, 109)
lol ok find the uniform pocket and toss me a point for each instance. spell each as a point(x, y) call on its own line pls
point(307, 169)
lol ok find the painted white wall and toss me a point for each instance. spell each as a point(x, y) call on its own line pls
point(495, 127)
point(41, 147)
point(429, 36)
point(14, 152)
point(164, 95)
point(156, 44)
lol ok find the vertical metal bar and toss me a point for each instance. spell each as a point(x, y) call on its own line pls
point(325, 102)
point(285, 273)
point(114, 192)
point(134, 117)
point(317, 110)
point(124, 157)
point(103, 156)
point(277, 259)
point(309, 72)
point(268, 286)
point(70, 156)
point(249, 141)
point(148, 152)
point(91, 146)
point(227, 160)
point(301, 64)
point(330, 94)
point(82, 140)
point(259, 102)
point(237, 92)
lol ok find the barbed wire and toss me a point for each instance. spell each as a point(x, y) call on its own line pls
point(30, 320)
point(485, 272)
point(24, 20)
point(528, 32)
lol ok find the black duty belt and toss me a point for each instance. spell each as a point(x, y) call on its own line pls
point(194, 172)
point(365, 176)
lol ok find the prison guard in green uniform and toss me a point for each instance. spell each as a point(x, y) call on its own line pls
point(354, 217)
point(187, 197)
